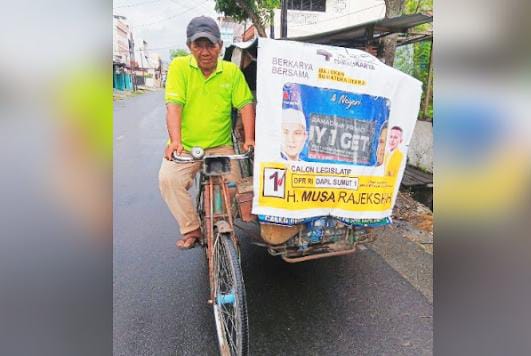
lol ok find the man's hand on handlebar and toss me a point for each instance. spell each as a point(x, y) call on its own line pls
point(173, 147)
point(247, 145)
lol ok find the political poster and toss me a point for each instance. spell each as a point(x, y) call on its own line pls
point(333, 127)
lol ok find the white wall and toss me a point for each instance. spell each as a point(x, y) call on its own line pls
point(339, 14)
point(227, 25)
point(120, 36)
point(420, 151)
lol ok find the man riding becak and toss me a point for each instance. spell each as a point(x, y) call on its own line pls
point(201, 90)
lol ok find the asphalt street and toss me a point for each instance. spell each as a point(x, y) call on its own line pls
point(350, 305)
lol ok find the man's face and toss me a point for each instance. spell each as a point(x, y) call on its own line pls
point(205, 52)
point(395, 139)
point(293, 138)
point(380, 153)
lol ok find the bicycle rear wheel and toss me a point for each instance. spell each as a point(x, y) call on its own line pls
point(230, 308)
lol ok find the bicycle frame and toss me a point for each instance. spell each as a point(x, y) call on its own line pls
point(227, 288)
point(214, 199)
point(217, 215)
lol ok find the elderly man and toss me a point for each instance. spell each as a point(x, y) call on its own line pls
point(201, 91)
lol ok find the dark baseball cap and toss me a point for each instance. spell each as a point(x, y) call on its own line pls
point(203, 27)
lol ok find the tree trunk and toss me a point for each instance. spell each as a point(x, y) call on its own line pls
point(427, 95)
point(389, 48)
point(393, 8)
point(257, 22)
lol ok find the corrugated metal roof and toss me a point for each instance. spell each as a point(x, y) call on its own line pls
point(355, 36)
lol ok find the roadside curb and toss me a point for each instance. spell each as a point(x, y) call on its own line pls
point(121, 95)
point(406, 257)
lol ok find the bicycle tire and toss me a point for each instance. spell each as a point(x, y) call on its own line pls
point(199, 197)
point(200, 209)
point(229, 304)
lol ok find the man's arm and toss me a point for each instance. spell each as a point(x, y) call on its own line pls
point(173, 124)
point(248, 117)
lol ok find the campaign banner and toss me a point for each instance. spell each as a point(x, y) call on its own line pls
point(332, 130)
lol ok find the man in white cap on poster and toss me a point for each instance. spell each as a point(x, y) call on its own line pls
point(294, 134)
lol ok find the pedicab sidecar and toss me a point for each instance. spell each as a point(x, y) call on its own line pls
point(332, 129)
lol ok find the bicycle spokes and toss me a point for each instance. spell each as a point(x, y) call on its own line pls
point(229, 300)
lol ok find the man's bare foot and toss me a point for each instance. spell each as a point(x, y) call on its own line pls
point(189, 240)
point(187, 243)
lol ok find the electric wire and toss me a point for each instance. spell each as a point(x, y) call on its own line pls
point(171, 17)
point(136, 4)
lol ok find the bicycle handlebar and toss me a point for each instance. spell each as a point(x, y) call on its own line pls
point(180, 158)
point(189, 158)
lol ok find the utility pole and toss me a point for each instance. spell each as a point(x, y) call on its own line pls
point(160, 71)
point(132, 62)
point(272, 25)
point(142, 62)
point(284, 19)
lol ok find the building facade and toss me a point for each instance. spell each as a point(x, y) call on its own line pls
point(231, 31)
point(308, 17)
point(148, 65)
point(121, 54)
point(134, 64)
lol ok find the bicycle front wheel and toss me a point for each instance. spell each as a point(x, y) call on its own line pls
point(230, 308)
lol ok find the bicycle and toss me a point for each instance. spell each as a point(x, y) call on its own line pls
point(227, 290)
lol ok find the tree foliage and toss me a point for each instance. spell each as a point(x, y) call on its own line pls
point(414, 59)
point(178, 53)
point(418, 6)
point(421, 50)
point(258, 11)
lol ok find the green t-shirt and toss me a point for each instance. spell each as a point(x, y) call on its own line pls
point(207, 103)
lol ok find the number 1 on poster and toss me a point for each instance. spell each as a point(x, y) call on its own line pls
point(274, 182)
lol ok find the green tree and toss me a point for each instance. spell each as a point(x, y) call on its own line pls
point(178, 53)
point(258, 11)
point(418, 6)
point(421, 50)
point(414, 59)
point(404, 60)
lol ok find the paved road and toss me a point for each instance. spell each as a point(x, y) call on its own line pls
point(351, 305)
